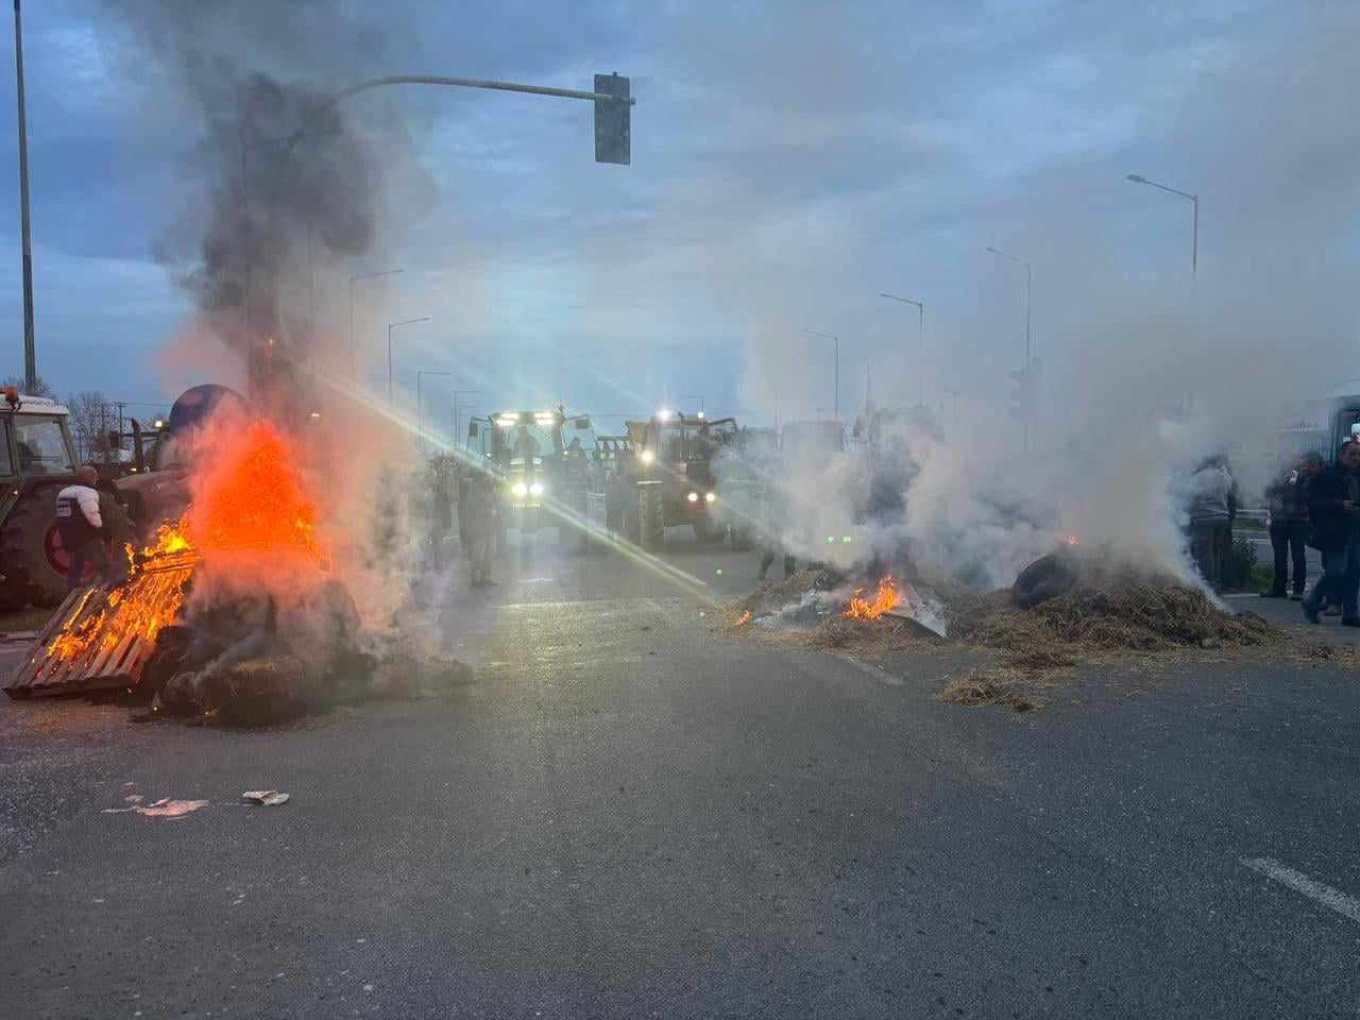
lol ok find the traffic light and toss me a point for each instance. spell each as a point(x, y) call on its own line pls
point(613, 121)
point(1025, 391)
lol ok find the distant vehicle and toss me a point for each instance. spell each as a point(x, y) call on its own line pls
point(673, 473)
point(546, 468)
point(38, 460)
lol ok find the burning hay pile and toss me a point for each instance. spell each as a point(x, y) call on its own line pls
point(233, 614)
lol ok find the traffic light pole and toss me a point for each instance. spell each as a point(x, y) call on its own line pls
point(606, 102)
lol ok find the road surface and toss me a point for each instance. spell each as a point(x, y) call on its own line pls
point(627, 813)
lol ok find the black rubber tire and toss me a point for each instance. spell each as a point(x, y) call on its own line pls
point(1046, 578)
point(651, 517)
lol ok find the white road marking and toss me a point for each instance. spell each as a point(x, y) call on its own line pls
point(1344, 905)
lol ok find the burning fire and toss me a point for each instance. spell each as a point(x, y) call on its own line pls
point(249, 501)
point(252, 502)
point(745, 619)
point(1072, 540)
point(861, 608)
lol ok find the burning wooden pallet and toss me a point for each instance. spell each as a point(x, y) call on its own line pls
point(101, 637)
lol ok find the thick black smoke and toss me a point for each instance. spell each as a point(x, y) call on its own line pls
point(279, 184)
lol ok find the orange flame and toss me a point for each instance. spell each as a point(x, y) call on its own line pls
point(1072, 540)
point(251, 500)
point(861, 608)
point(745, 619)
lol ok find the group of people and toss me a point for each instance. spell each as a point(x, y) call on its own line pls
point(1333, 499)
point(1314, 504)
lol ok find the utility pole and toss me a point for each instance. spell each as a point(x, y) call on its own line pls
point(835, 371)
point(30, 354)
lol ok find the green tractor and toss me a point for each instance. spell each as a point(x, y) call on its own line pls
point(38, 460)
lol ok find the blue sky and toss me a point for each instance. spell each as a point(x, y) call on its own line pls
point(791, 161)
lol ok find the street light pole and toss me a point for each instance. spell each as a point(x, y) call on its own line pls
point(694, 396)
point(420, 404)
point(391, 326)
point(921, 366)
point(30, 353)
point(1029, 303)
point(353, 347)
point(836, 371)
point(457, 420)
point(1194, 237)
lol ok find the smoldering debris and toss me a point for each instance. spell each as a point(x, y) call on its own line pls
point(1103, 611)
point(248, 662)
point(1135, 618)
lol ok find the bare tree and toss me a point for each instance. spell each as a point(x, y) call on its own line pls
point(40, 390)
point(91, 423)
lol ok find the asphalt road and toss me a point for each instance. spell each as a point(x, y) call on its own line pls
point(627, 813)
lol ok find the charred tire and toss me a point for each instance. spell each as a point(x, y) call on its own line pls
point(651, 519)
point(1046, 578)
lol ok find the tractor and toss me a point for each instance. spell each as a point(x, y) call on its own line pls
point(37, 461)
point(673, 462)
point(546, 470)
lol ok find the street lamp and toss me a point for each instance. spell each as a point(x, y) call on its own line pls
point(836, 373)
point(420, 405)
point(695, 396)
point(921, 367)
point(1029, 293)
point(391, 326)
point(353, 349)
point(1194, 201)
point(457, 420)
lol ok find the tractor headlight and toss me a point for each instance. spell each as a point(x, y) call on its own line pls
point(693, 497)
point(648, 456)
point(536, 489)
point(709, 497)
point(520, 489)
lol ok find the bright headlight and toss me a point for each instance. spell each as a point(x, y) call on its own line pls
point(520, 489)
point(709, 497)
point(536, 489)
point(693, 497)
point(648, 456)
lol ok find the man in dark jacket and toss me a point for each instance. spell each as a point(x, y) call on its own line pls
point(1333, 505)
point(1287, 499)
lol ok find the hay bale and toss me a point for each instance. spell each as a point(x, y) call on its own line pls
point(260, 691)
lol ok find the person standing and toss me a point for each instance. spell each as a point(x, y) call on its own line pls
point(1210, 495)
point(480, 528)
point(82, 529)
point(773, 527)
point(1287, 500)
point(1333, 504)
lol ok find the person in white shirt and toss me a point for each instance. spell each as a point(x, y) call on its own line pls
point(82, 528)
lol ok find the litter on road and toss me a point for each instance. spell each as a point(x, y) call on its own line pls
point(265, 798)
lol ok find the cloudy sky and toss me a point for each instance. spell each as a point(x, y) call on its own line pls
point(790, 162)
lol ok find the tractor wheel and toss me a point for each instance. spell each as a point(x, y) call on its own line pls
point(32, 546)
point(651, 517)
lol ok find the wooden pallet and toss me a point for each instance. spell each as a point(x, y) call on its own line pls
point(113, 647)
